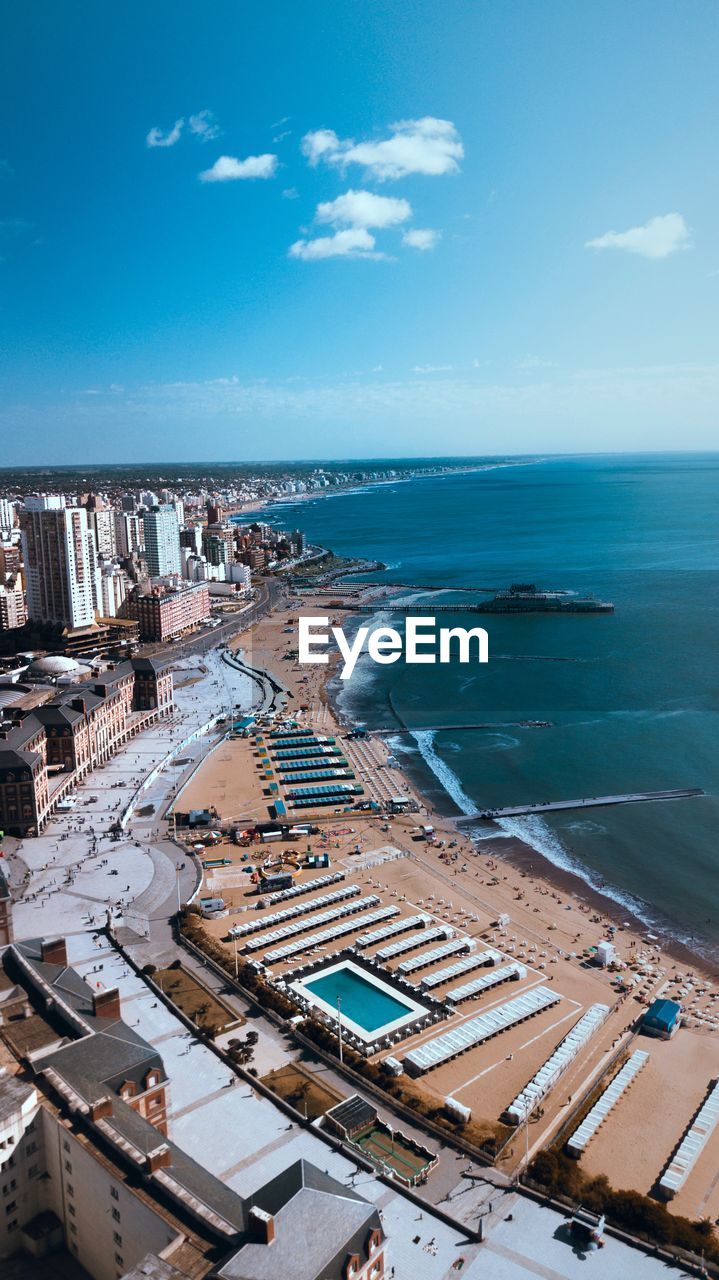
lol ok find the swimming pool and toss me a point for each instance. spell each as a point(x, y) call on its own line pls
point(369, 1007)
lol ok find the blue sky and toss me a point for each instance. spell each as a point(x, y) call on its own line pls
point(468, 227)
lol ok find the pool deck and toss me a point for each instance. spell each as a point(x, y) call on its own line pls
point(303, 987)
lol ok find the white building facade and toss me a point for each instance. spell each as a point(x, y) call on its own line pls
point(60, 562)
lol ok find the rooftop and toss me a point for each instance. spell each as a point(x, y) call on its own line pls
point(312, 1213)
point(353, 1113)
point(14, 1093)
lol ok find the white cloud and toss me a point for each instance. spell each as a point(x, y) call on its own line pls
point(658, 238)
point(364, 209)
point(228, 169)
point(355, 242)
point(647, 408)
point(432, 368)
point(204, 126)
point(320, 144)
point(421, 238)
point(428, 146)
point(156, 138)
point(534, 362)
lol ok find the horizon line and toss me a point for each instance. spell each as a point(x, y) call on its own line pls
point(405, 459)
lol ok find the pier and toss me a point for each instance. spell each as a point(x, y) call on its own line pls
point(589, 802)
point(454, 728)
point(386, 606)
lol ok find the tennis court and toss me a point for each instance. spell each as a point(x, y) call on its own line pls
point(395, 1152)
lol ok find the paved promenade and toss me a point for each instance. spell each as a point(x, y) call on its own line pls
point(66, 880)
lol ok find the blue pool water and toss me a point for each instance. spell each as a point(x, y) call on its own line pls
point(361, 1001)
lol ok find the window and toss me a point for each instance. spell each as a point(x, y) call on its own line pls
point(70, 1189)
point(117, 1237)
point(31, 1148)
point(33, 1171)
point(65, 1144)
point(73, 1228)
point(11, 1206)
point(12, 1225)
point(116, 1215)
point(71, 1210)
point(114, 1193)
point(119, 1260)
point(68, 1167)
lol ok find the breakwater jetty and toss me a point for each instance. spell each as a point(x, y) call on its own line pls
point(588, 802)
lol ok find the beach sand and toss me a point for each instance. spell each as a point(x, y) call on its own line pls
point(553, 919)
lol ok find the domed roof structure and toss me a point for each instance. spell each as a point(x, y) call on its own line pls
point(54, 665)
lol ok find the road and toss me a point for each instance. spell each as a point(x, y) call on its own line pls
point(269, 592)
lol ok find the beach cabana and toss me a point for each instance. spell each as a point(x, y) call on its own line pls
point(662, 1019)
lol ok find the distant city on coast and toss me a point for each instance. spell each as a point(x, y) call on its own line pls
point(359, 604)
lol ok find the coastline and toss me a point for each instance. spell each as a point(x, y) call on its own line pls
point(499, 892)
point(257, 505)
point(517, 852)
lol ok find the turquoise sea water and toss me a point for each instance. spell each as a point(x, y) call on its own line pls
point(361, 1001)
point(633, 697)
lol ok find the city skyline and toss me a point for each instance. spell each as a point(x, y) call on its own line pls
point(357, 237)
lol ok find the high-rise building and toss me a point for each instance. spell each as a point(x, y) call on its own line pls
point(162, 542)
point(7, 516)
point(114, 585)
point(191, 536)
point(9, 561)
point(216, 549)
point(128, 533)
point(215, 533)
point(60, 562)
point(103, 525)
point(12, 605)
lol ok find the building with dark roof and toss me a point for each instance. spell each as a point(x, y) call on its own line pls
point(350, 1117)
point(306, 1225)
point(91, 1165)
point(105, 1056)
point(46, 751)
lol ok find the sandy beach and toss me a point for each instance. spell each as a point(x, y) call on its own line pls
point(553, 919)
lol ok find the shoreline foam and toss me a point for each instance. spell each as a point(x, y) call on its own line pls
point(558, 866)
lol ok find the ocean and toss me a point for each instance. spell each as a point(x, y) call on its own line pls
point(632, 697)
